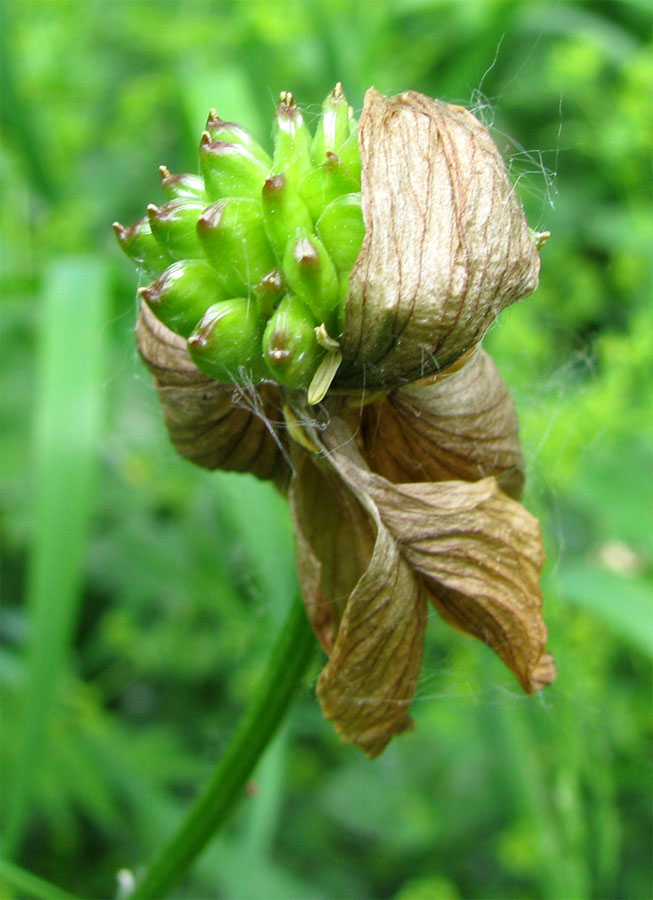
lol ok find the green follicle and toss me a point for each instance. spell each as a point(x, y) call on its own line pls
point(140, 245)
point(183, 187)
point(284, 213)
point(290, 347)
point(234, 239)
point(230, 170)
point(324, 183)
point(311, 275)
point(269, 292)
point(226, 344)
point(334, 126)
point(174, 225)
point(341, 230)
point(292, 140)
point(180, 296)
point(350, 154)
point(220, 130)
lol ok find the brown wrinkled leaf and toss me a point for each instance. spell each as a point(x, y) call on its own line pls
point(463, 427)
point(478, 552)
point(367, 686)
point(214, 425)
point(446, 244)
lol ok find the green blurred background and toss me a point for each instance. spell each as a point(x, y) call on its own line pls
point(141, 594)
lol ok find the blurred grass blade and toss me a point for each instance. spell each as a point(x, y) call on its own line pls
point(24, 884)
point(65, 441)
point(623, 603)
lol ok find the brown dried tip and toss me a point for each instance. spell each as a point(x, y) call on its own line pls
point(287, 100)
point(213, 118)
point(150, 293)
point(164, 172)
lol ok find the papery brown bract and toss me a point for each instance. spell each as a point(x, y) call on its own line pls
point(446, 243)
point(211, 423)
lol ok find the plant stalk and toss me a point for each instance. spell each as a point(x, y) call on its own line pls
point(287, 664)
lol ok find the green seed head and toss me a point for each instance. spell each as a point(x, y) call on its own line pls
point(252, 257)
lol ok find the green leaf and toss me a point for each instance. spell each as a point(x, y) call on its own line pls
point(623, 603)
point(65, 441)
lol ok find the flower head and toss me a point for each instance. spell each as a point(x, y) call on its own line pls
point(345, 285)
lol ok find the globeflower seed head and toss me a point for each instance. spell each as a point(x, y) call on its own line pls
point(414, 263)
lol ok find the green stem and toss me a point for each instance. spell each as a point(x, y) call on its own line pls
point(287, 664)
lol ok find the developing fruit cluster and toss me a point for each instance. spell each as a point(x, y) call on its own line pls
point(251, 259)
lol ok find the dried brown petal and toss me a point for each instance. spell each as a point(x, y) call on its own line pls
point(354, 580)
point(335, 541)
point(446, 244)
point(214, 425)
point(461, 427)
point(476, 550)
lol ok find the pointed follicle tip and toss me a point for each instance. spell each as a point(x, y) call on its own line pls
point(152, 209)
point(148, 294)
point(164, 172)
point(119, 229)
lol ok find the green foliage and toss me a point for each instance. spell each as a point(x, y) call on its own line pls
point(141, 596)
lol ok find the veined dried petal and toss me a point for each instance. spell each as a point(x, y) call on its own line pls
point(354, 580)
point(462, 427)
point(478, 552)
point(446, 244)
